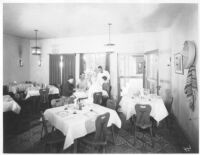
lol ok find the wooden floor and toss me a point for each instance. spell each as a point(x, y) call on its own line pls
point(26, 139)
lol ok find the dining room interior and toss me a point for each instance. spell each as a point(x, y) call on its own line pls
point(100, 77)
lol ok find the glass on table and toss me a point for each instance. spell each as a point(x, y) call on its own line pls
point(146, 91)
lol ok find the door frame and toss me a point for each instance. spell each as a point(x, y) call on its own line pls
point(118, 76)
point(156, 51)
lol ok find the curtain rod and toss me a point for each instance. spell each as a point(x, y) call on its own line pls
point(78, 53)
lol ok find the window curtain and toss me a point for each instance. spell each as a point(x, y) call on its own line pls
point(54, 70)
point(68, 67)
point(82, 63)
point(107, 67)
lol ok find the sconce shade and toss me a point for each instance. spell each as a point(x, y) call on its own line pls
point(109, 44)
point(36, 50)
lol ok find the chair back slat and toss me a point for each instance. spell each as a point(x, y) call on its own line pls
point(101, 127)
point(142, 115)
point(97, 98)
point(168, 104)
point(5, 90)
point(111, 104)
point(44, 95)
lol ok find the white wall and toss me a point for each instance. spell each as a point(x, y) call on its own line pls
point(11, 70)
point(185, 28)
point(124, 43)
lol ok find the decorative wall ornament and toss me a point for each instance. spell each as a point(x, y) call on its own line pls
point(178, 63)
point(189, 53)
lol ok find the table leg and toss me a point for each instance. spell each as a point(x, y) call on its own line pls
point(75, 146)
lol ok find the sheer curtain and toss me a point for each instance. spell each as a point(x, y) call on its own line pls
point(107, 62)
point(90, 62)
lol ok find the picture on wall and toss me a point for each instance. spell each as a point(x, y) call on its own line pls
point(178, 63)
point(139, 67)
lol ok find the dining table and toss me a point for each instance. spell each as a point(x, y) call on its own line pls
point(14, 88)
point(10, 105)
point(75, 123)
point(158, 109)
point(35, 91)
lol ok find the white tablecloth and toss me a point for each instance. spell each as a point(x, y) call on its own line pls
point(80, 94)
point(80, 124)
point(34, 91)
point(10, 105)
point(158, 109)
point(20, 87)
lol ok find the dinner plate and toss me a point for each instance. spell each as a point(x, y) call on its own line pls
point(63, 113)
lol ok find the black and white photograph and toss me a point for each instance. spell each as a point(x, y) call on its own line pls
point(103, 77)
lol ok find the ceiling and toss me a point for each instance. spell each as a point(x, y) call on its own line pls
point(55, 20)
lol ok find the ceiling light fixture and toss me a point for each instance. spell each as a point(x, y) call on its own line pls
point(36, 50)
point(109, 43)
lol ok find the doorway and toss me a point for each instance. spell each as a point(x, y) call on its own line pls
point(130, 73)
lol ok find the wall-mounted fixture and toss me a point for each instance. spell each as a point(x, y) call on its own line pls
point(40, 61)
point(21, 62)
point(169, 62)
point(36, 50)
point(20, 52)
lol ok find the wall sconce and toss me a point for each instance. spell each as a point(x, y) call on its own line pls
point(40, 61)
point(169, 62)
point(21, 62)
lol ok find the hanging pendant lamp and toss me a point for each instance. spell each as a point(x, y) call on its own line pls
point(109, 43)
point(36, 50)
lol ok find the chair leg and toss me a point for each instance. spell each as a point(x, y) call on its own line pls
point(75, 146)
point(52, 129)
point(45, 148)
point(151, 133)
point(58, 148)
point(104, 149)
point(134, 135)
point(113, 134)
point(41, 132)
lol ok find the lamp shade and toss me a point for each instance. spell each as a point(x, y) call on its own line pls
point(36, 51)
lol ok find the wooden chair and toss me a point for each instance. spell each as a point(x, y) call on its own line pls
point(44, 99)
point(97, 98)
point(168, 105)
point(111, 104)
point(5, 90)
point(142, 120)
point(98, 140)
point(53, 138)
point(57, 102)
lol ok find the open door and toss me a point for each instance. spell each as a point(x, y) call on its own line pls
point(130, 72)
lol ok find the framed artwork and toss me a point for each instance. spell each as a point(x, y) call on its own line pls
point(178, 63)
point(139, 67)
